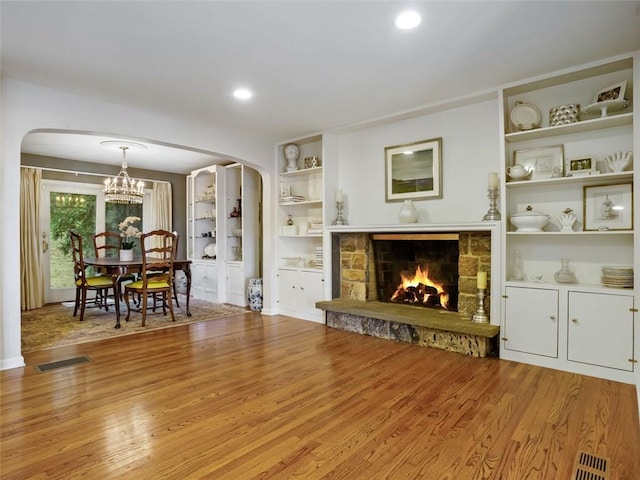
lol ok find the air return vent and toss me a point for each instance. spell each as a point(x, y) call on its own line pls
point(45, 367)
point(590, 467)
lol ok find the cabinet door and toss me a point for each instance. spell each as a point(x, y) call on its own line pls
point(531, 321)
point(235, 284)
point(600, 330)
point(288, 292)
point(311, 290)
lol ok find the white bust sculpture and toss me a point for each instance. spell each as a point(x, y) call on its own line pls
point(291, 154)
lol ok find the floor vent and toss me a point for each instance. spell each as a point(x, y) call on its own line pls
point(590, 467)
point(45, 367)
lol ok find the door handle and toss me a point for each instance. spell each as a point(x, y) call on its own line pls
point(45, 244)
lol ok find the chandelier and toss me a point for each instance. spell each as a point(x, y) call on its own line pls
point(121, 188)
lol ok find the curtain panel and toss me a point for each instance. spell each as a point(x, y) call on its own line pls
point(31, 277)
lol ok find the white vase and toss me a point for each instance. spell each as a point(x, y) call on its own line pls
point(408, 213)
point(126, 255)
point(566, 221)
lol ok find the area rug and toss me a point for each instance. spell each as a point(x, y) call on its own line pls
point(55, 326)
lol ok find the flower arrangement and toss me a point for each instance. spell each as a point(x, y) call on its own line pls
point(127, 231)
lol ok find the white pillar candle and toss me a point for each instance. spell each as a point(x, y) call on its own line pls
point(482, 280)
point(339, 196)
point(493, 180)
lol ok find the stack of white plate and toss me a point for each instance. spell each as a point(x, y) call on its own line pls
point(319, 257)
point(617, 276)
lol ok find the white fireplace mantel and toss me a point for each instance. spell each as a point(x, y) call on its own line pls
point(418, 227)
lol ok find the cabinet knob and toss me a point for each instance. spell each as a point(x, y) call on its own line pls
point(574, 320)
point(552, 317)
point(504, 338)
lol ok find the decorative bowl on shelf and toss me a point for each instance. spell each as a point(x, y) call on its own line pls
point(211, 250)
point(292, 261)
point(529, 220)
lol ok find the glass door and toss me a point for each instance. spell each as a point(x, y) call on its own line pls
point(67, 206)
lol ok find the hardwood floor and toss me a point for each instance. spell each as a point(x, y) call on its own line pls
point(252, 397)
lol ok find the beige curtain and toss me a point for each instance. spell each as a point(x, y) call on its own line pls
point(160, 210)
point(161, 206)
point(31, 278)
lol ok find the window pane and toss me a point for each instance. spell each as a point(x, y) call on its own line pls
point(75, 212)
point(115, 213)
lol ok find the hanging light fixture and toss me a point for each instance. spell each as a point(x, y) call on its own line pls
point(121, 188)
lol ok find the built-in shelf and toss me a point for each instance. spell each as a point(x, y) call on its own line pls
point(578, 127)
point(302, 171)
point(584, 179)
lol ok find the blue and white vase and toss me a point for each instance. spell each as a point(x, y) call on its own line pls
point(255, 294)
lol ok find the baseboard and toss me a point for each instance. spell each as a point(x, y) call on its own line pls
point(9, 363)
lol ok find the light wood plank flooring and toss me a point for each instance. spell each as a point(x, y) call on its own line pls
point(252, 397)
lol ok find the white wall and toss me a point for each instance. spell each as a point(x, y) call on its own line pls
point(470, 150)
point(26, 107)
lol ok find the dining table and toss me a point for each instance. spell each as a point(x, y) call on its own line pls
point(119, 269)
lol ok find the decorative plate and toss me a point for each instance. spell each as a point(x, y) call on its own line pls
point(525, 116)
point(210, 250)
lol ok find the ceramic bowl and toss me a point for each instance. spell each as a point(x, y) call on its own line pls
point(529, 220)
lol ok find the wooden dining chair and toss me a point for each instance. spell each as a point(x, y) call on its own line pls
point(175, 290)
point(158, 254)
point(108, 244)
point(85, 283)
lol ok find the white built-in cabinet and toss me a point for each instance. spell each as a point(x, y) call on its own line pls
point(531, 321)
point(300, 230)
point(202, 214)
point(585, 326)
point(223, 230)
point(299, 290)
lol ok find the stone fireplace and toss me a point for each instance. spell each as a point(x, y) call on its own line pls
point(359, 279)
point(360, 282)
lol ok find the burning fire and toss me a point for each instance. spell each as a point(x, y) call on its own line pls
point(418, 288)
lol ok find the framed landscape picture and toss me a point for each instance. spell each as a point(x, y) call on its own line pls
point(414, 170)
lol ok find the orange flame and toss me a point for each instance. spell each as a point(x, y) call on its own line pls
point(415, 281)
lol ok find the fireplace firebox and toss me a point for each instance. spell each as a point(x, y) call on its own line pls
point(420, 270)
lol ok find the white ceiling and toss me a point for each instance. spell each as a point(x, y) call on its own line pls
point(313, 65)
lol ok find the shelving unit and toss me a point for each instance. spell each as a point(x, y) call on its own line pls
point(545, 322)
point(241, 231)
point(202, 214)
point(300, 229)
point(224, 232)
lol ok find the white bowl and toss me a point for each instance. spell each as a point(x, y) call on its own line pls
point(529, 220)
point(237, 232)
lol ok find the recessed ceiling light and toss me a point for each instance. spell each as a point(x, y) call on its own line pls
point(242, 94)
point(408, 20)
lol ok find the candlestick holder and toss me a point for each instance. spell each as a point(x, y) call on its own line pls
point(481, 315)
point(339, 212)
point(493, 213)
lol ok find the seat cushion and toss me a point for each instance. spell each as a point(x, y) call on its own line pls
point(151, 284)
point(98, 281)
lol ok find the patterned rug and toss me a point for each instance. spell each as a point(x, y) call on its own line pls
point(54, 325)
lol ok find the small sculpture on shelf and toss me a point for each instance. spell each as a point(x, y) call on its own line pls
point(566, 220)
point(618, 162)
point(291, 154)
point(236, 212)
